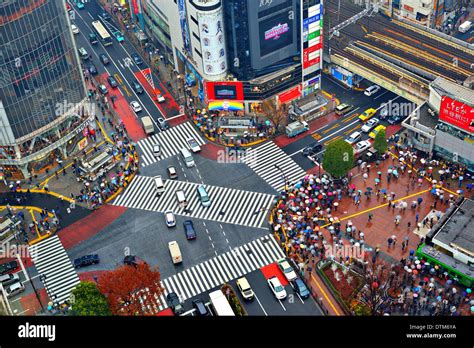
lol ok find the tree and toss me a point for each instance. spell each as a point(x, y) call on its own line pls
point(88, 300)
point(275, 114)
point(380, 142)
point(338, 158)
point(131, 290)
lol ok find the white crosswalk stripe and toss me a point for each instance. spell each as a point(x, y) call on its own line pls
point(222, 268)
point(227, 205)
point(51, 260)
point(171, 140)
point(262, 161)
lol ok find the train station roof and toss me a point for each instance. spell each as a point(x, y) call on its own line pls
point(453, 90)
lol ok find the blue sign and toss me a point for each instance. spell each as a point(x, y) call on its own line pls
point(184, 26)
point(310, 20)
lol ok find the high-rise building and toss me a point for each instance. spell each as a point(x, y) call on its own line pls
point(42, 90)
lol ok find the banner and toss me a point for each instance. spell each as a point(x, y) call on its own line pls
point(457, 114)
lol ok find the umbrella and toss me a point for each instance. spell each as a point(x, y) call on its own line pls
point(377, 180)
point(383, 190)
point(369, 188)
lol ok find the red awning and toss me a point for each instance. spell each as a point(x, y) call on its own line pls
point(289, 95)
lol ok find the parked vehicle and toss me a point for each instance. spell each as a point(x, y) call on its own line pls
point(394, 119)
point(104, 59)
point(86, 260)
point(367, 114)
point(200, 307)
point(353, 138)
point(464, 27)
point(103, 89)
point(295, 128)
point(245, 289)
point(147, 123)
point(112, 81)
point(372, 90)
point(174, 303)
point(287, 270)
point(361, 146)
point(312, 149)
point(9, 278)
point(189, 230)
point(93, 69)
point(278, 290)
point(343, 108)
point(132, 260)
point(83, 53)
point(74, 29)
point(377, 129)
point(14, 289)
point(369, 125)
point(8, 267)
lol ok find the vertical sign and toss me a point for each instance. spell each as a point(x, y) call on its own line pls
point(184, 26)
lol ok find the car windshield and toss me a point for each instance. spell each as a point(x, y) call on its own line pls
point(278, 288)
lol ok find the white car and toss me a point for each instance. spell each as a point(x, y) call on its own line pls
point(370, 124)
point(193, 145)
point(276, 287)
point(135, 106)
point(170, 219)
point(74, 29)
point(287, 270)
point(353, 138)
point(372, 90)
point(160, 98)
point(361, 146)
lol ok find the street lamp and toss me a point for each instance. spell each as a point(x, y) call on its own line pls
point(285, 179)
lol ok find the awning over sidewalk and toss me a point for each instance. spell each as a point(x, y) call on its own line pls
point(289, 95)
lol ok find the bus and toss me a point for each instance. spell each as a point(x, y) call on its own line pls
point(102, 33)
point(220, 304)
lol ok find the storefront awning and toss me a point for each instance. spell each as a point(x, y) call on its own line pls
point(226, 105)
point(289, 95)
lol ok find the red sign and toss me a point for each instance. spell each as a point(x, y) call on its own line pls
point(289, 95)
point(225, 90)
point(135, 6)
point(457, 113)
point(307, 64)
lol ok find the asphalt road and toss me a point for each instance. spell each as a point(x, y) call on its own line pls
point(346, 124)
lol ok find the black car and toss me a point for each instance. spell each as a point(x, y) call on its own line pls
point(394, 119)
point(86, 260)
point(137, 59)
point(104, 59)
point(164, 125)
point(93, 69)
point(189, 229)
point(200, 307)
point(8, 267)
point(312, 149)
point(132, 260)
point(174, 303)
point(105, 16)
point(112, 81)
point(137, 87)
point(300, 288)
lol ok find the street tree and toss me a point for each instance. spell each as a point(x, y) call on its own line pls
point(338, 158)
point(87, 300)
point(131, 290)
point(380, 142)
point(276, 114)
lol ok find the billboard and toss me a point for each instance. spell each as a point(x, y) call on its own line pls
point(226, 90)
point(457, 114)
point(184, 26)
point(275, 33)
point(212, 43)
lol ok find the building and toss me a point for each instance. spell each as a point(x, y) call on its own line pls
point(450, 244)
point(426, 12)
point(42, 90)
point(444, 125)
point(258, 43)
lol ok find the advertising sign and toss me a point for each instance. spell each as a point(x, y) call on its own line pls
point(226, 90)
point(212, 43)
point(311, 44)
point(275, 33)
point(457, 113)
point(184, 25)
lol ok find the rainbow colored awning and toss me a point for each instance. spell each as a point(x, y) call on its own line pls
point(226, 105)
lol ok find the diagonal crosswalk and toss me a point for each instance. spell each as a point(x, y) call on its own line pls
point(218, 270)
point(171, 140)
point(228, 205)
point(51, 261)
point(262, 161)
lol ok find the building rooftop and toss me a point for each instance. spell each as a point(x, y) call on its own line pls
point(458, 230)
point(453, 90)
point(427, 118)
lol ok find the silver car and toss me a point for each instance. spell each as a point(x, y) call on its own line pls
point(170, 218)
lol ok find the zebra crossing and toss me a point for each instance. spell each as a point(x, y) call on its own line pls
point(262, 161)
point(52, 262)
point(171, 141)
point(228, 205)
point(218, 270)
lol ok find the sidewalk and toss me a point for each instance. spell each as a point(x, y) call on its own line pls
point(322, 294)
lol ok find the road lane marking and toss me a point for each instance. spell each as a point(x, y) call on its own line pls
point(381, 95)
point(325, 295)
point(260, 304)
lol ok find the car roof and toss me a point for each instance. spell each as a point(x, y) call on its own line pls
point(274, 280)
point(355, 134)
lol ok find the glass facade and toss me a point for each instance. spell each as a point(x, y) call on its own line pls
point(39, 70)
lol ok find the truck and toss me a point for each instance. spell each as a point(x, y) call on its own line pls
point(295, 128)
point(221, 304)
point(463, 28)
point(147, 124)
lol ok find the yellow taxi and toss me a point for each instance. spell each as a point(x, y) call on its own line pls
point(367, 114)
point(377, 129)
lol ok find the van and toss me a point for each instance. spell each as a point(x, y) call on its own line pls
point(341, 109)
point(245, 289)
point(8, 279)
point(175, 252)
point(187, 158)
point(14, 289)
point(159, 185)
point(83, 53)
point(181, 197)
point(203, 196)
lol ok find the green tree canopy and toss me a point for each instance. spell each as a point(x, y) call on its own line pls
point(380, 143)
point(338, 158)
point(88, 300)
